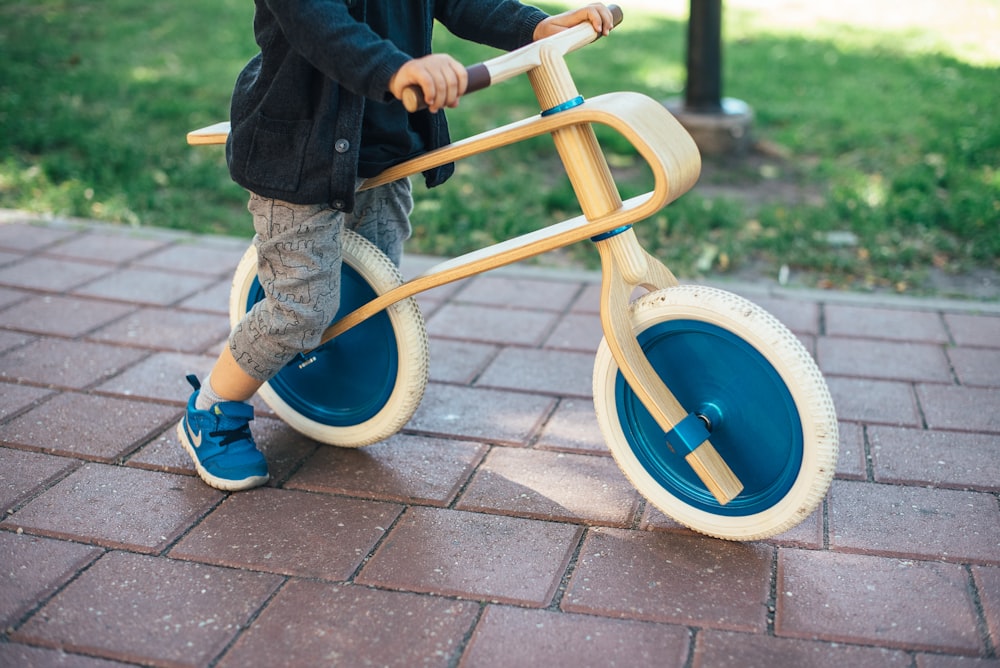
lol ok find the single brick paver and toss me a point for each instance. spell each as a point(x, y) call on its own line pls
point(212, 258)
point(110, 248)
point(145, 286)
point(915, 522)
point(573, 427)
point(852, 460)
point(51, 274)
point(556, 372)
point(33, 568)
point(50, 361)
point(117, 507)
point(289, 532)
point(183, 331)
point(131, 607)
point(495, 529)
point(680, 579)
point(521, 293)
point(976, 366)
point(159, 376)
point(484, 414)
point(350, 625)
point(960, 408)
point(859, 599)
point(404, 468)
point(552, 485)
point(883, 323)
point(472, 555)
point(63, 316)
point(491, 325)
point(24, 473)
point(801, 317)
point(874, 401)
point(576, 332)
point(16, 398)
point(86, 425)
point(897, 360)
point(933, 457)
point(589, 299)
point(459, 362)
point(212, 299)
point(974, 330)
point(545, 638)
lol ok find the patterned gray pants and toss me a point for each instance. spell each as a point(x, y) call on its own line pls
point(298, 265)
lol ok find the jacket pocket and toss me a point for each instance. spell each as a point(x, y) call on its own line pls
point(277, 153)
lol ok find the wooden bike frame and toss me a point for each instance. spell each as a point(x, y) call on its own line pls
point(675, 162)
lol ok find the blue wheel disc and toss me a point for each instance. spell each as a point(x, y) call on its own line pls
point(345, 381)
point(759, 434)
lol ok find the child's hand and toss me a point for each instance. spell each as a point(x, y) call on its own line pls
point(598, 15)
point(441, 78)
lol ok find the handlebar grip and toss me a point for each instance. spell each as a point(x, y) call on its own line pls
point(478, 79)
point(480, 76)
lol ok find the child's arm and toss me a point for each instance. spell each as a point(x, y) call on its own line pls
point(597, 13)
point(443, 80)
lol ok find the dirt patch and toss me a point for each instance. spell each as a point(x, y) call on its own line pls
point(762, 174)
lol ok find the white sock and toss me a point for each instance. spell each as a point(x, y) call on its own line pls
point(207, 396)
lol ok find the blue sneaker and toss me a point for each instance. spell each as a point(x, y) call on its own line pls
point(220, 443)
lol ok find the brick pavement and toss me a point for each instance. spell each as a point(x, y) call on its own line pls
point(495, 529)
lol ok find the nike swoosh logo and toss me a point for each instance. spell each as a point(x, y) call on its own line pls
point(195, 439)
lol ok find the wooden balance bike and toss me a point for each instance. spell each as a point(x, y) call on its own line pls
point(712, 408)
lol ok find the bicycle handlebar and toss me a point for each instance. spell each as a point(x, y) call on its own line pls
point(484, 74)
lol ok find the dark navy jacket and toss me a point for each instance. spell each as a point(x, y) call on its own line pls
point(297, 106)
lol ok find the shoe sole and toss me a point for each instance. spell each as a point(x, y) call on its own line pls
point(211, 480)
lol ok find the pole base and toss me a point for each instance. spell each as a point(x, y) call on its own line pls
point(724, 132)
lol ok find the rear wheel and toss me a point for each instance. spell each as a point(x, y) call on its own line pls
point(364, 385)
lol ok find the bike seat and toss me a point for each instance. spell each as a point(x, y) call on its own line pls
point(212, 134)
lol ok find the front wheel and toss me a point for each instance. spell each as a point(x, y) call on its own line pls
point(772, 418)
point(364, 385)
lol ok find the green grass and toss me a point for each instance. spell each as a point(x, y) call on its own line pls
point(894, 141)
point(95, 101)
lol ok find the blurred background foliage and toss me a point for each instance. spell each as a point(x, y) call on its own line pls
point(876, 162)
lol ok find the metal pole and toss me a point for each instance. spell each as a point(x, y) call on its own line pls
point(703, 93)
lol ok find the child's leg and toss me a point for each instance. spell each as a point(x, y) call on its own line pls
point(299, 259)
point(382, 215)
point(299, 262)
point(228, 382)
point(299, 269)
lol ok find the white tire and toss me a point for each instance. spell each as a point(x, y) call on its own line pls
point(778, 430)
point(387, 353)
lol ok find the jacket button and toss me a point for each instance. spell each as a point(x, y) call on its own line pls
point(342, 145)
point(338, 204)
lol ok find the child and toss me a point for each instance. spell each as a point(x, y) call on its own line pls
point(313, 114)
